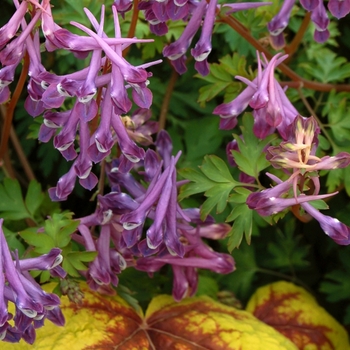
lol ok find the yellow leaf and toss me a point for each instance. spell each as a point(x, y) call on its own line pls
point(295, 313)
point(103, 322)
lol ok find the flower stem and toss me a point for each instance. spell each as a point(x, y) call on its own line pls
point(297, 81)
point(12, 105)
point(292, 48)
point(166, 101)
point(133, 23)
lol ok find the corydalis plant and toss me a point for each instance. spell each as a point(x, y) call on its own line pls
point(32, 305)
point(108, 73)
point(297, 157)
point(319, 16)
point(145, 227)
point(272, 109)
point(203, 15)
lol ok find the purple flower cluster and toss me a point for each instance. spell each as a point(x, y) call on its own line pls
point(32, 305)
point(297, 157)
point(108, 72)
point(271, 108)
point(319, 16)
point(172, 235)
point(204, 15)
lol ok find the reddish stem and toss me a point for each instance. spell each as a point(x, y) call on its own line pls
point(301, 82)
point(12, 105)
point(133, 23)
point(293, 46)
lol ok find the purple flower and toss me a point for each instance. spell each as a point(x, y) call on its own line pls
point(332, 227)
point(339, 8)
point(8, 31)
point(271, 108)
point(197, 255)
point(18, 287)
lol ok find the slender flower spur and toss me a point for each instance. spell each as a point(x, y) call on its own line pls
point(32, 305)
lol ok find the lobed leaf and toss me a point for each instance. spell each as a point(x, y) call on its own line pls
point(295, 313)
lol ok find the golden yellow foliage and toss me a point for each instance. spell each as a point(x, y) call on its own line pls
point(295, 313)
point(103, 322)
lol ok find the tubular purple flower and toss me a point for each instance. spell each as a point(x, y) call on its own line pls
point(122, 6)
point(171, 236)
point(13, 52)
point(138, 216)
point(280, 21)
point(127, 146)
point(65, 186)
point(339, 8)
point(121, 101)
point(332, 227)
point(269, 205)
point(310, 5)
point(44, 262)
point(177, 10)
point(9, 30)
point(234, 108)
point(178, 48)
point(129, 72)
point(164, 146)
point(203, 47)
point(320, 18)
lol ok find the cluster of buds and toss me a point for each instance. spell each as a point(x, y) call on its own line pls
point(319, 16)
point(272, 109)
point(172, 235)
point(99, 91)
point(297, 157)
point(31, 304)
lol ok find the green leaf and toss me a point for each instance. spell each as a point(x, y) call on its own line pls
point(60, 227)
point(41, 242)
point(287, 252)
point(221, 78)
point(207, 286)
point(241, 281)
point(216, 170)
point(337, 286)
point(73, 261)
point(217, 196)
point(13, 242)
point(329, 67)
point(200, 183)
point(251, 159)
point(242, 217)
point(12, 206)
point(34, 197)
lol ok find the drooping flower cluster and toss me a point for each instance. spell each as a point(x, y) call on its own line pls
point(32, 305)
point(172, 235)
point(98, 91)
point(204, 15)
point(198, 14)
point(271, 108)
point(319, 16)
point(297, 157)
